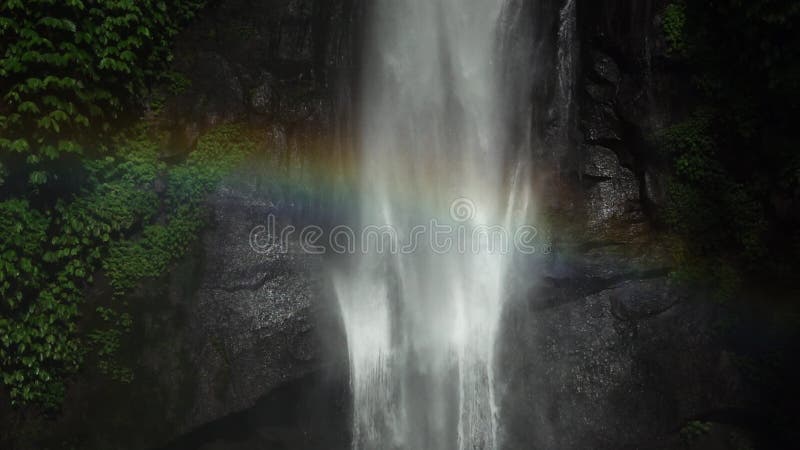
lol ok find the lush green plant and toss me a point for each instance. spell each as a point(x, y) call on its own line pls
point(106, 343)
point(735, 153)
point(68, 71)
point(149, 254)
point(707, 201)
point(49, 257)
point(71, 71)
point(675, 27)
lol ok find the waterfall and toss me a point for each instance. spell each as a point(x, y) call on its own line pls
point(421, 323)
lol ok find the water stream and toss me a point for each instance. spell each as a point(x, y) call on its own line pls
point(421, 325)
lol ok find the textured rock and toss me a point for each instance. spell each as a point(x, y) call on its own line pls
point(655, 187)
point(601, 162)
point(302, 106)
point(249, 329)
point(612, 190)
point(261, 97)
point(222, 98)
point(601, 124)
point(609, 361)
point(605, 68)
point(256, 320)
point(640, 299)
point(600, 92)
point(259, 61)
point(228, 330)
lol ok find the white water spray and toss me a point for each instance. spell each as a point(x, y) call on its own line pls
point(421, 326)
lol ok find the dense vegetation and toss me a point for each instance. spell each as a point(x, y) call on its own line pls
point(735, 196)
point(82, 185)
point(68, 71)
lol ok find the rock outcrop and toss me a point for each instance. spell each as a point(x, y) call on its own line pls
point(604, 349)
point(259, 335)
point(607, 351)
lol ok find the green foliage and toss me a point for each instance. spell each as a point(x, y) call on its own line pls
point(48, 258)
point(675, 27)
point(69, 70)
point(721, 219)
point(149, 254)
point(106, 343)
point(69, 73)
point(735, 154)
point(694, 430)
point(29, 330)
point(707, 202)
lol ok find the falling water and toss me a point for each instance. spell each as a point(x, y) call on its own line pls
point(421, 324)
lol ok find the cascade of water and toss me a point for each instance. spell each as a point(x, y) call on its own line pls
point(421, 324)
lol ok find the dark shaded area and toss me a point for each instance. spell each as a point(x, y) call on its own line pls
point(309, 413)
point(604, 354)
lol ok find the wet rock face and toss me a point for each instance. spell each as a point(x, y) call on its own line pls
point(609, 356)
point(229, 331)
point(262, 62)
point(606, 68)
point(640, 299)
point(263, 95)
point(250, 328)
point(629, 90)
point(611, 191)
point(256, 320)
point(602, 349)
